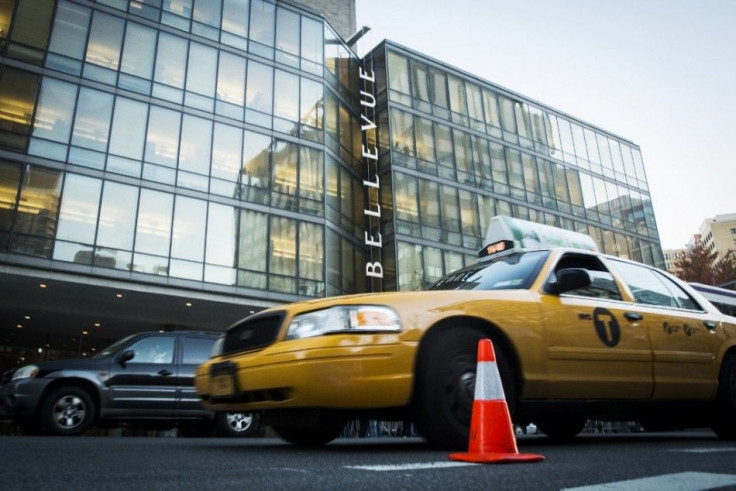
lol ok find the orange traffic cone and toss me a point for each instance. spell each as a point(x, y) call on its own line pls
point(491, 433)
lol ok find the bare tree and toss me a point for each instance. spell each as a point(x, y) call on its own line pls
point(702, 266)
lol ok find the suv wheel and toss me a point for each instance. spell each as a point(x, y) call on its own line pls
point(237, 424)
point(68, 411)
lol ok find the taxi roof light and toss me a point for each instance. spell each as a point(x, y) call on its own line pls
point(505, 234)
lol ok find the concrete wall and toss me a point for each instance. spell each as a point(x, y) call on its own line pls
point(339, 13)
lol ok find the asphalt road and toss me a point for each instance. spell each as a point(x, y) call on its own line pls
point(671, 461)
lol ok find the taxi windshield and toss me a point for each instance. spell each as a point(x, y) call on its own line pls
point(509, 272)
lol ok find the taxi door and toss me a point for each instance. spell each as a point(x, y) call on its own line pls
point(686, 339)
point(596, 348)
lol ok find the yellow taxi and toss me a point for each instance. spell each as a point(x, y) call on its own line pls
point(577, 335)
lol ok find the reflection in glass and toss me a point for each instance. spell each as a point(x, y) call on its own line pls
point(235, 17)
point(92, 120)
point(311, 103)
point(201, 69)
point(55, 109)
point(105, 38)
point(287, 31)
point(286, 96)
point(254, 239)
point(162, 141)
point(311, 164)
point(35, 220)
point(262, 22)
point(312, 43)
point(128, 134)
point(230, 79)
point(190, 221)
point(311, 253)
point(226, 152)
point(259, 91)
point(138, 51)
point(171, 58)
point(196, 140)
point(17, 98)
point(69, 33)
point(256, 167)
point(283, 246)
point(153, 227)
point(285, 167)
point(117, 216)
point(78, 216)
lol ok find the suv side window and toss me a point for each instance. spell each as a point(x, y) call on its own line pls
point(196, 351)
point(603, 285)
point(652, 288)
point(154, 349)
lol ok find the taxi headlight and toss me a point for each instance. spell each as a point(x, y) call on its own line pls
point(344, 319)
point(28, 371)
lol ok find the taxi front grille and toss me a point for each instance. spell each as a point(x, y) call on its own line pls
point(252, 333)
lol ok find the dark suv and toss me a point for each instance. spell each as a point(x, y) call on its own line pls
point(145, 378)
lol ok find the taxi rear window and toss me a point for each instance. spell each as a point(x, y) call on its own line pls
point(510, 272)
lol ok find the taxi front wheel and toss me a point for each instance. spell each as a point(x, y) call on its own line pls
point(725, 418)
point(445, 385)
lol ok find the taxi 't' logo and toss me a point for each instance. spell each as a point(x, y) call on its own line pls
point(606, 326)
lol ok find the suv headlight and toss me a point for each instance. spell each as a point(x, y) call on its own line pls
point(344, 319)
point(28, 371)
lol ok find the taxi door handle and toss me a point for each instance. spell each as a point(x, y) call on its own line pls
point(633, 316)
point(710, 325)
point(165, 373)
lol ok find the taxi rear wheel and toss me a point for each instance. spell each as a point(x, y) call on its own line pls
point(725, 418)
point(445, 385)
point(561, 427)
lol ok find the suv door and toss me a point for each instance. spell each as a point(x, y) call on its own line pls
point(148, 381)
point(194, 350)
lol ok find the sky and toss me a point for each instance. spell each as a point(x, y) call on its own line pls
point(660, 73)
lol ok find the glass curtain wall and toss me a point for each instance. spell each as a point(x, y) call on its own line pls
point(462, 150)
point(217, 150)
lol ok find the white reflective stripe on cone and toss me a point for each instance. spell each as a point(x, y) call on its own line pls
point(488, 382)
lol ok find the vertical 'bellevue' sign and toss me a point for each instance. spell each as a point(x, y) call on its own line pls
point(371, 184)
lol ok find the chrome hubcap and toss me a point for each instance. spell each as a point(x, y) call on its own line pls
point(239, 421)
point(69, 412)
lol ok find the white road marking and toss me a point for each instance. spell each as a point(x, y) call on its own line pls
point(705, 450)
point(409, 467)
point(683, 481)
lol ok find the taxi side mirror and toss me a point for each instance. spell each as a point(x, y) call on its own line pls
point(125, 356)
point(567, 280)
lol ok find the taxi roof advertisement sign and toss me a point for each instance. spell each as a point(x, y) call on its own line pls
point(530, 235)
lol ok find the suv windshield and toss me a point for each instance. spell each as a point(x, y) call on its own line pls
point(511, 272)
point(113, 347)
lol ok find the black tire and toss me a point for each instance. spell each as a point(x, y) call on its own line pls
point(30, 426)
point(445, 386)
point(311, 435)
point(238, 424)
point(724, 422)
point(68, 411)
point(561, 427)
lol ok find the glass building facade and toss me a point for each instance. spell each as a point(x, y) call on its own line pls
point(458, 150)
point(214, 147)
